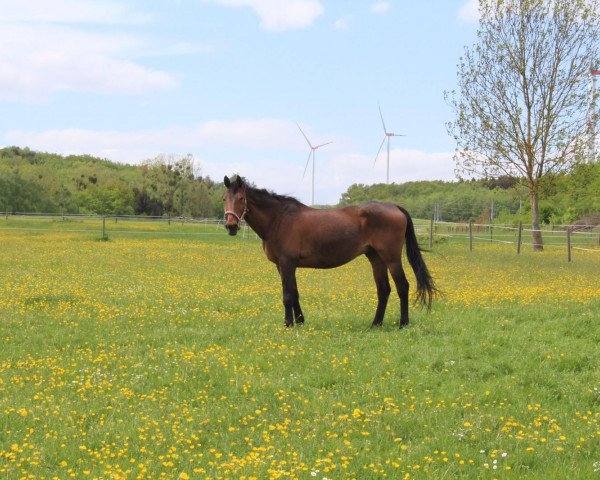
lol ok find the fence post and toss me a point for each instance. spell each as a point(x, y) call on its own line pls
point(104, 237)
point(569, 244)
point(470, 235)
point(491, 233)
point(431, 234)
point(519, 236)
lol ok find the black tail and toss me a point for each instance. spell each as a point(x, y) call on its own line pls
point(426, 288)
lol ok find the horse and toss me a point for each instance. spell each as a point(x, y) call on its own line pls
point(297, 236)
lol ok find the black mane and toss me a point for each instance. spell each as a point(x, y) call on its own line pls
point(263, 193)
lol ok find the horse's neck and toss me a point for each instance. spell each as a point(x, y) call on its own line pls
point(262, 215)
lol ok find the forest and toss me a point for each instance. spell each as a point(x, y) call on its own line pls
point(38, 182)
point(565, 198)
point(45, 182)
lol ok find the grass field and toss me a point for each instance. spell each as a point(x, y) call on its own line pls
point(166, 357)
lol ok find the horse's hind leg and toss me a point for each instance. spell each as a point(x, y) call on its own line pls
point(402, 287)
point(382, 282)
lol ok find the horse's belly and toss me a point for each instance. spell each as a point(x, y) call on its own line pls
point(331, 256)
point(322, 263)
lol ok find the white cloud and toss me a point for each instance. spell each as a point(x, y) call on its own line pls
point(36, 61)
point(469, 12)
point(380, 7)
point(274, 154)
point(342, 24)
point(136, 146)
point(47, 46)
point(68, 11)
point(277, 15)
point(405, 166)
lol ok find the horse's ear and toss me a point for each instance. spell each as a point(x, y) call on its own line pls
point(239, 182)
point(227, 182)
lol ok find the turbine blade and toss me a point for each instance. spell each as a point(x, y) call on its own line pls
point(322, 145)
point(379, 151)
point(382, 122)
point(305, 137)
point(307, 162)
point(399, 135)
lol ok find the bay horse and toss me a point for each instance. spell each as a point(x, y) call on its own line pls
point(297, 236)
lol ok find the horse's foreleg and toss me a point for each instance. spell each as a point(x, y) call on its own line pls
point(298, 316)
point(291, 302)
point(382, 282)
point(402, 287)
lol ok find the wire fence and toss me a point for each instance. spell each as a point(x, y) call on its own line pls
point(104, 226)
point(569, 238)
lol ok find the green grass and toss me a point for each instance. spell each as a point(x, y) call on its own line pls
point(166, 357)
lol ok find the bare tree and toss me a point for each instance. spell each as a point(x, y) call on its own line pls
point(523, 98)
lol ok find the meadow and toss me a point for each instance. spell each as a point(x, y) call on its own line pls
point(165, 356)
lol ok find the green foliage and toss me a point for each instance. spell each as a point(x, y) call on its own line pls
point(49, 183)
point(19, 194)
point(565, 197)
point(458, 201)
point(45, 182)
point(569, 197)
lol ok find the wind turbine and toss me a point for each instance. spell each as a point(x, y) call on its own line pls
point(313, 149)
point(387, 136)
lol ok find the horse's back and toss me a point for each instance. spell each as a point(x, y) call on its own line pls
point(360, 220)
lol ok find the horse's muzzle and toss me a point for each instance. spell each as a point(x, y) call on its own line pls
point(232, 228)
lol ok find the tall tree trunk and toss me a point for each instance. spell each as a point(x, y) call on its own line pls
point(538, 242)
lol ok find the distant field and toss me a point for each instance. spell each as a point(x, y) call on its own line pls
point(165, 356)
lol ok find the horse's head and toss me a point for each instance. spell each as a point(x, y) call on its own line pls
point(234, 204)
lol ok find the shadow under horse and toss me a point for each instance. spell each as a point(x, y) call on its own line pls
point(297, 236)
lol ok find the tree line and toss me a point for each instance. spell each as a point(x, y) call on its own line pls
point(49, 183)
point(566, 197)
point(45, 182)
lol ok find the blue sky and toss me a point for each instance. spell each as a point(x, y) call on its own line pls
point(227, 81)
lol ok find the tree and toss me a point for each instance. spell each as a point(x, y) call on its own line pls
point(17, 194)
point(523, 92)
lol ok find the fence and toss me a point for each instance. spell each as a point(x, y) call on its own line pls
point(570, 238)
point(567, 237)
point(104, 226)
